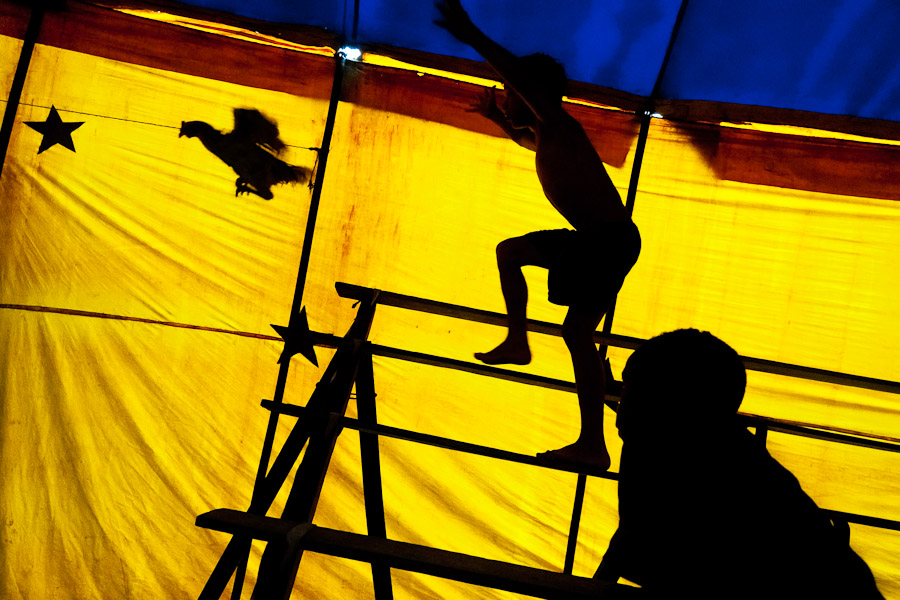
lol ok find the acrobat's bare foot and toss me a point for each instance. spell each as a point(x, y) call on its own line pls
point(578, 455)
point(507, 353)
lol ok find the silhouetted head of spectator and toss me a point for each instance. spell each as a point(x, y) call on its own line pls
point(681, 379)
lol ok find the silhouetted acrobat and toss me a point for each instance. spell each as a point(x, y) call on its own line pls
point(250, 149)
point(586, 266)
point(704, 510)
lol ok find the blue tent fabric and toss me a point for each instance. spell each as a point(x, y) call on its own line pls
point(620, 44)
point(834, 57)
point(328, 14)
point(138, 288)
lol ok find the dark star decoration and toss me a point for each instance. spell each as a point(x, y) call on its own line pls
point(297, 339)
point(55, 131)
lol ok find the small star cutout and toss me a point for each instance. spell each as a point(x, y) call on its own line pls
point(55, 131)
point(297, 339)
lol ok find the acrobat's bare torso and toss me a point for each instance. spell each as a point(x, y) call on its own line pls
point(574, 178)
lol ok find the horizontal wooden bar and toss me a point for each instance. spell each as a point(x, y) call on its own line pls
point(613, 387)
point(331, 341)
point(612, 399)
point(419, 559)
point(439, 442)
point(462, 567)
point(258, 527)
point(762, 365)
point(863, 520)
point(470, 367)
point(449, 444)
point(807, 431)
point(356, 292)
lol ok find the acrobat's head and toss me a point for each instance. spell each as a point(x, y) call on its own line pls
point(683, 378)
point(550, 76)
point(548, 71)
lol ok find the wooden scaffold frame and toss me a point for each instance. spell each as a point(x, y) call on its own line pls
point(323, 418)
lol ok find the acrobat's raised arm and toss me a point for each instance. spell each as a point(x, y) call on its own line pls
point(456, 21)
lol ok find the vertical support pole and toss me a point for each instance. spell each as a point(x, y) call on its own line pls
point(18, 83)
point(642, 140)
point(629, 202)
point(241, 572)
point(643, 134)
point(607, 322)
point(842, 529)
point(236, 552)
point(297, 302)
point(575, 524)
point(355, 32)
point(304, 496)
point(281, 560)
point(371, 469)
point(762, 433)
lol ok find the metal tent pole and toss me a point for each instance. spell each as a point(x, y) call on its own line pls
point(18, 83)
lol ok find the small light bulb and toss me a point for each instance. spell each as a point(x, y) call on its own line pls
point(350, 53)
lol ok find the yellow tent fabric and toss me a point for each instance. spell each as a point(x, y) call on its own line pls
point(137, 293)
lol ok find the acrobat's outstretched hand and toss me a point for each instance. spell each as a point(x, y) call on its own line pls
point(455, 20)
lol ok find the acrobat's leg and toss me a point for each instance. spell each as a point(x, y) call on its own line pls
point(512, 255)
point(590, 383)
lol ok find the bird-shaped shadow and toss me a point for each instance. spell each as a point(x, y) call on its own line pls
point(250, 149)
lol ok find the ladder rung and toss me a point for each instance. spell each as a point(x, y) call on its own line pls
point(255, 526)
point(419, 559)
point(356, 292)
point(296, 410)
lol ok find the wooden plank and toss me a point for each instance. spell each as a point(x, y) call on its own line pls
point(411, 557)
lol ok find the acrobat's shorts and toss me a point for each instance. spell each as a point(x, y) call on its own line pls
point(587, 267)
